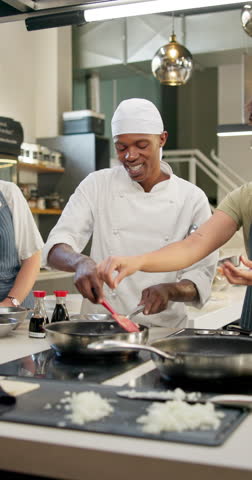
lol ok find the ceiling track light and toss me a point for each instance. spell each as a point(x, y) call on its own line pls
point(172, 64)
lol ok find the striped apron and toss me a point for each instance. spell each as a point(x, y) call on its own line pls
point(9, 262)
point(246, 316)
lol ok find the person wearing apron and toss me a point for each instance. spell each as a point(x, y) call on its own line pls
point(13, 211)
point(246, 315)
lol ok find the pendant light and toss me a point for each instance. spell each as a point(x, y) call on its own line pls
point(172, 63)
point(246, 18)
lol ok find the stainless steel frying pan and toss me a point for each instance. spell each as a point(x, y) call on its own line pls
point(195, 357)
point(73, 337)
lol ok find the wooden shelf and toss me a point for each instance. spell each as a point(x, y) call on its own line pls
point(40, 168)
point(46, 211)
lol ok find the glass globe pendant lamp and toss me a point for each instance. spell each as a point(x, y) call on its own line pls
point(172, 64)
point(246, 18)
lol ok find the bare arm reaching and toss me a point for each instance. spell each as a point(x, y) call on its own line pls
point(210, 236)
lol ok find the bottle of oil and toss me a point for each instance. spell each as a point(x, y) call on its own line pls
point(39, 317)
point(60, 312)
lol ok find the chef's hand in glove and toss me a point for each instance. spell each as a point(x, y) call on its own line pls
point(236, 275)
point(87, 281)
point(157, 297)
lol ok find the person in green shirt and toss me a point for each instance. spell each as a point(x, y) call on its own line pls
point(233, 212)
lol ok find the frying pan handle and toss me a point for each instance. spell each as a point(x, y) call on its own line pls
point(108, 345)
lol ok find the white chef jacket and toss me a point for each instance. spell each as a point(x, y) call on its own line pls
point(27, 237)
point(126, 220)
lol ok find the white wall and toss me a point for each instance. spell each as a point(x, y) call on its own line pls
point(35, 77)
point(234, 151)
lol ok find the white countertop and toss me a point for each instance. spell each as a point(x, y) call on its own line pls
point(53, 274)
point(66, 454)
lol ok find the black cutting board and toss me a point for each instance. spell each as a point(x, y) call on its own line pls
point(30, 409)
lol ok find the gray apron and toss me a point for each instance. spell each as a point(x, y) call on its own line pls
point(9, 262)
point(246, 316)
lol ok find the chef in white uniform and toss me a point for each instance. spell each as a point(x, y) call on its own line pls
point(137, 206)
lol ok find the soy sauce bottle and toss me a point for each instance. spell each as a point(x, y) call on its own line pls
point(39, 317)
point(60, 313)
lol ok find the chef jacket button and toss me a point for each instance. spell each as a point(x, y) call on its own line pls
point(121, 195)
point(115, 232)
point(166, 239)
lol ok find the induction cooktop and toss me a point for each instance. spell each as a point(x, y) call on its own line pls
point(49, 365)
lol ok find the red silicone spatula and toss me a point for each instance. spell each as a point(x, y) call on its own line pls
point(124, 322)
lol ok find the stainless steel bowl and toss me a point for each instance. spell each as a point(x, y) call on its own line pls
point(73, 337)
point(17, 313)
point(6, 325)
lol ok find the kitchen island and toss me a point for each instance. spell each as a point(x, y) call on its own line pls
point(68, 454)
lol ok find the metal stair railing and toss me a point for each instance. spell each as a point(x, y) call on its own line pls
point(239, 180)
point(196, 158)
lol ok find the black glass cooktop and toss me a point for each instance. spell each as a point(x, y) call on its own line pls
point(153, 381)
point(48, 365)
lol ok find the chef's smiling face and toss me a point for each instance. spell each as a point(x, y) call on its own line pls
point(140, 156)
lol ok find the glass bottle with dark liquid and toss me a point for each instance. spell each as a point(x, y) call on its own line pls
point(60, 313)
point(39, 317)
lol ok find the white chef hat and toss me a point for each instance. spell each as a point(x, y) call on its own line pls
point(136, 115)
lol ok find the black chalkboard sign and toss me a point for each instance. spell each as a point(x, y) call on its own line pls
point(11, 136)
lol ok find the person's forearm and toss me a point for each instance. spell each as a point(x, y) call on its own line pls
point(63, 257)
point(174, 257)
point(183, 291)
point(26, 277)
point(180, 255)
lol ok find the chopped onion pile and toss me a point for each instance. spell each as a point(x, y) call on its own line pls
point(87, 407)
point(177, 416)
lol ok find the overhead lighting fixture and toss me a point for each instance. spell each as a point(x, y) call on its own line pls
point(233, 130)
point(52, 20)
point(172, 64)
point(100, 12)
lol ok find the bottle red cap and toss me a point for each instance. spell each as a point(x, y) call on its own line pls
point(39, 293)
point(60, 293)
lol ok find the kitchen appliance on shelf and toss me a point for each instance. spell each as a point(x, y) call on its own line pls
point(11, 137)
point(83, 121)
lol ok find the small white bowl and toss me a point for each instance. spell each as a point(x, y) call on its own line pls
point(7, 325)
